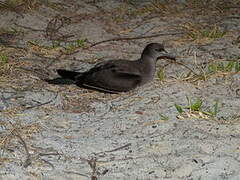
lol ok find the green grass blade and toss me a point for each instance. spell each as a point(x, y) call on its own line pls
point(197, 105)
point(161, 74)
point(237, 66)
point(229, 66)
point(179, 108)
point(163, 117)
point(215, 108)
point(4, 59)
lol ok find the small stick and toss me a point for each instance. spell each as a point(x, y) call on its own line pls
point(133, 38)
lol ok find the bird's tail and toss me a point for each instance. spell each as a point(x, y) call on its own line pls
point(67, 77)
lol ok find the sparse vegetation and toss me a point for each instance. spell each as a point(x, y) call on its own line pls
point(201, 6)
point(153, 7)
point(158, 7)
point(203, 32)
point(9, 30)
point(15, 5)
point(57, 46)
point(4, 67)
point(163, 117)
point(4, 59)
point(195, 110)
point(173, 7)
point(161, 74)
point(211, 70)
point(72, 46)
point(20, 5)
point(230, 66)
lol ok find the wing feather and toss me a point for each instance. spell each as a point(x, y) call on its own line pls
point(116, 67)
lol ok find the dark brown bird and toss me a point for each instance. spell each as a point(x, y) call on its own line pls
point(116, 76)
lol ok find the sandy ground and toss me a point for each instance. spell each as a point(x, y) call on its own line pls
point(68, 133)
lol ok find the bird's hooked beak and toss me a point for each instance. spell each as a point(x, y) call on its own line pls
point(167, 55)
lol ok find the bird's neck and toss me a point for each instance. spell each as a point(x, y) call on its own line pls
point(148, 64)
point(148, 60)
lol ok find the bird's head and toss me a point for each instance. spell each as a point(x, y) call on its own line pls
point(157, 51)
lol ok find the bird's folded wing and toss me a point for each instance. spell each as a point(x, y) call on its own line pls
point(119, 68)
point(128, 71)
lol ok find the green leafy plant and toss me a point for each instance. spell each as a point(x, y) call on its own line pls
point(194, 106)
point(179, 108)
point(195, 109)
point(81, 43)
point(161, 74)
point(4, 59)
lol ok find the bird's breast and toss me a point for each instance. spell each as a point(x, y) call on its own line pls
point(147, 74)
